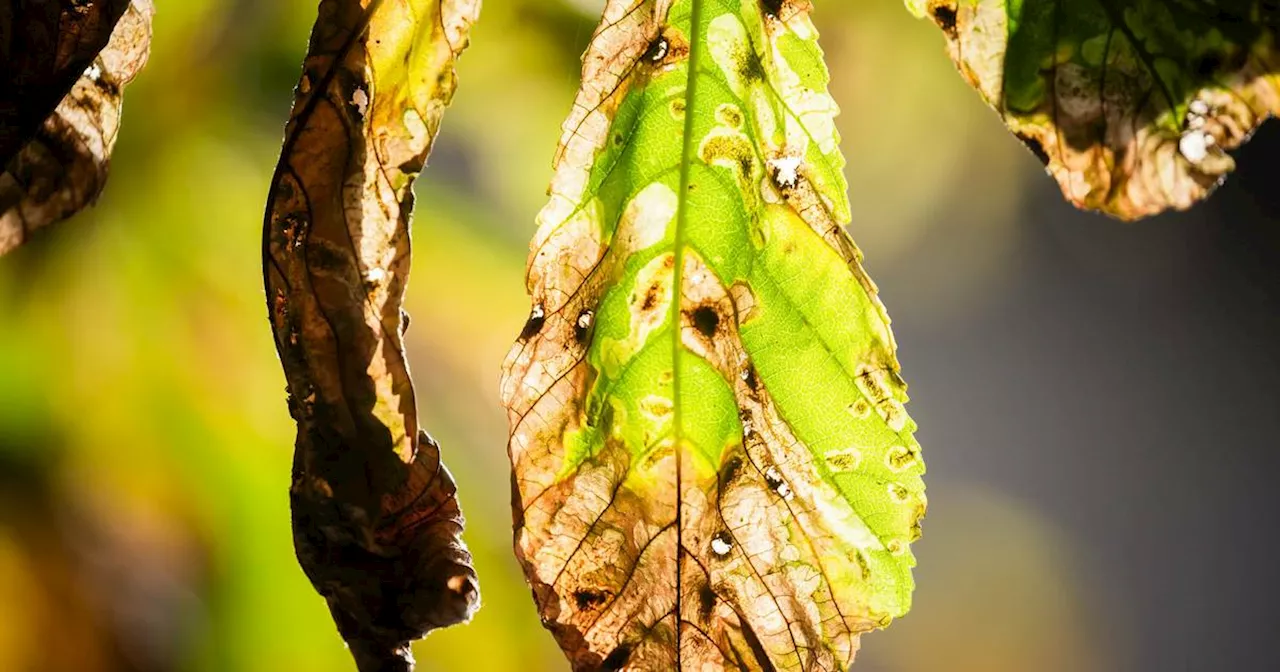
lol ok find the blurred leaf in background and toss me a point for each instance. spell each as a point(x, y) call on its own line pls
point(140, 394)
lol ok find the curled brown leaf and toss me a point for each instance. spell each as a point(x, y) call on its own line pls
point(44, 48)
point(377, 526)
point(62, 167)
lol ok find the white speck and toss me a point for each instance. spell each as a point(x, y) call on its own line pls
point(584, 320)
point(720, 545)
point(375, 275)
point(786, 170)
point(658, 50)
point(93, 72)
point(1198, 107)
point(747, 428)
point(1193, 145)
point(1195, 122)
point(538, 312)
point(304, 85)
point(361, 100)
point(1209, 140)
point(775, 481)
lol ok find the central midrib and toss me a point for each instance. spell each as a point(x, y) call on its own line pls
point(687, 157)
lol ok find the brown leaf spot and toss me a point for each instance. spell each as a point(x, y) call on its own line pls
point(706, 320)
point(658, 50)
point(616, 658)
point(706, 601)
point(582, 326)
point(588, 599)
point(537, 318)
point(729, 470)
point(1036, 148)
point(945, 17)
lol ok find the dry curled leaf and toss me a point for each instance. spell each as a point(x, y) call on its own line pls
point(62, 168)
point(1130, 104)
point(376, 521)
point(45, 45)
point(712, 463)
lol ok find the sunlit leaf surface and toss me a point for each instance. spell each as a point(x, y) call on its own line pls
point(377, 525)
point(1131, 104)
point(713, 467)
point(62, 167)
point(44, 48)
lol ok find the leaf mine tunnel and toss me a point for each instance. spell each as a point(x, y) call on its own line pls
point(376, 521)
point(712, 463)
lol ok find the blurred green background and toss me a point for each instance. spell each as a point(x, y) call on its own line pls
point(145, 442)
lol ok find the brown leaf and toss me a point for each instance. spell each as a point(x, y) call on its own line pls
point(44, 48)
point(62, 168)
point(377, 526)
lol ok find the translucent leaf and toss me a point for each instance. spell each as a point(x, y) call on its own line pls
point(376, 520)
point(62, 167)
point(1130, 104)
point(713, 467)
point(44, 48)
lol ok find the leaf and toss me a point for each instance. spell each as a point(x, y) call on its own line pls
point(45, 46)
point(1130, 104)
point(729, 481)
point(376, 521)
point(62, 168)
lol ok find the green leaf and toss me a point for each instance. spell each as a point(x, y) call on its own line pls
point(62, 167)
point(376, 520)
point(1130, 104)
point(713, 468)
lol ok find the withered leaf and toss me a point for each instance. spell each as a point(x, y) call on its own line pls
point(45, 46)
point(62, 168)
point(1130, 104)
point(376, 521)
point(712, 463)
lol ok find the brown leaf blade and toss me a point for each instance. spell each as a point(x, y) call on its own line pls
point(63, 167)
point(1132, 105)
point(44, 48)
point(377, 526)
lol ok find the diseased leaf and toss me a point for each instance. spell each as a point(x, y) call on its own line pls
point(376, 520)
point(45, 46)
point(1130, 104)
point(63, 168)
point(728, 480)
